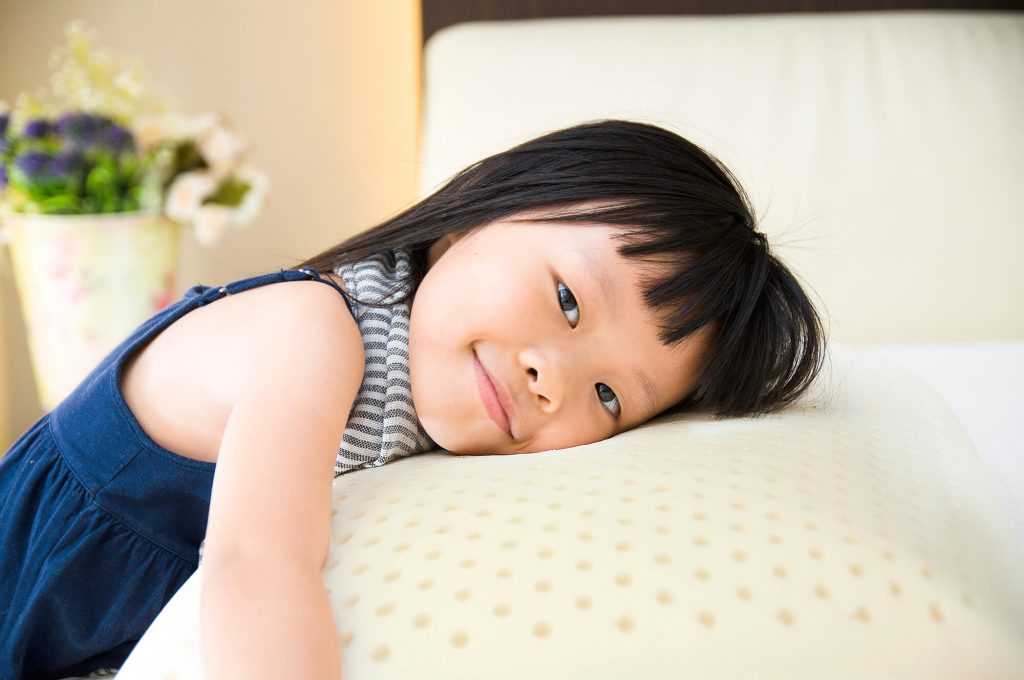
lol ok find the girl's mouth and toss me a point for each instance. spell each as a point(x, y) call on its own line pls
point(489, 397)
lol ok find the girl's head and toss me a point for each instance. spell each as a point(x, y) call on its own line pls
point(603, 274)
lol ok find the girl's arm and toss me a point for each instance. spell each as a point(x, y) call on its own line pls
point(264, 610)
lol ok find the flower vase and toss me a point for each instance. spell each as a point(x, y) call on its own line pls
point(85, 282)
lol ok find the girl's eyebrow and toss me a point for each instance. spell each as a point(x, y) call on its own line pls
point(596, 272)
point(608, 292)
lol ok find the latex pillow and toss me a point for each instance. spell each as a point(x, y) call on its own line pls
point(854, 535)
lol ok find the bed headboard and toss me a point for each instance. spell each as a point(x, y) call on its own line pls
point(881, 149)
point(440, 13)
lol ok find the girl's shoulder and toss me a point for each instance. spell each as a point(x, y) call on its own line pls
point(183, 383)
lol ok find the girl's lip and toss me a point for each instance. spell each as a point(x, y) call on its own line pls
point(489, 397)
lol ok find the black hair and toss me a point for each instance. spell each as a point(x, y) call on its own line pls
point(672, 203)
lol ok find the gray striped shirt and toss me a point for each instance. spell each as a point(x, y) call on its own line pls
point(382, 424)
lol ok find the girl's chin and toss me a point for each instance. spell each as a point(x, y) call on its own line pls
point(463, 446)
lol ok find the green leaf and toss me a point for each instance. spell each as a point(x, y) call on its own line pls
point(110, 204)
point(60, 205)
point(187, 157)
point(100, 180)
point(230, 193)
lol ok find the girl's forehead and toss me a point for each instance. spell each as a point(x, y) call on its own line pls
point(590, 245)
point(557, 233)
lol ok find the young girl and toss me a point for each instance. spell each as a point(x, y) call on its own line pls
point(555, 294)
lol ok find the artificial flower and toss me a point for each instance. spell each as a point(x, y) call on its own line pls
point(187, 192)
point(210, 220)
point(98, 142)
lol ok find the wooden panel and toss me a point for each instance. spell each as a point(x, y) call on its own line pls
point(440, 13)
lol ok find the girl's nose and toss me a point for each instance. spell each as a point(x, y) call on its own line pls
point(540, 390)
point(548, 376)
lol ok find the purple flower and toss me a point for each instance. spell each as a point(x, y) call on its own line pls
point(34, 164)
point(5, 118)
point(90, 132)
point(37, 129)
point(3, 177)
point(69, 162)
point(116, 139)
point(81, 128)
point(5, 146)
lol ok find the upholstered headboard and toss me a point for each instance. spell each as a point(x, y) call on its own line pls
point(882, 152)
point(437, 14)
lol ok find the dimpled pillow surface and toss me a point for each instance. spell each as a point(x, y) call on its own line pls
point(854, 535)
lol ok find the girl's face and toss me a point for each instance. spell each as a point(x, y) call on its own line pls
point(578, 362)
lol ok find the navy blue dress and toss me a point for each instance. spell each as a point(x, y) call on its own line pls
point(99, 524)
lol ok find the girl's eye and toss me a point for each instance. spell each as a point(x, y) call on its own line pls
point(612, 399)
point(567, 302)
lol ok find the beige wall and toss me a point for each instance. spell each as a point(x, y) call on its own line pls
point(327, 91)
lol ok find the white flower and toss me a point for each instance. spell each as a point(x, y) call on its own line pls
point(153, 129)
point(202, 122)
point(131, 82)
point(187, 192)
point(254, 196)
point(220, 146)
point(210, 221)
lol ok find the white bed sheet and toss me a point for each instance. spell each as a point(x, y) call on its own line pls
point(983, 382)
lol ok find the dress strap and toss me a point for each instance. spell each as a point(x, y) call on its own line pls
point(207, 294)
point(317, 276)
